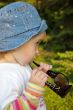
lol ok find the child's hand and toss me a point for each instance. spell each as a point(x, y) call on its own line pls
point(45, 67)
point(39, 75)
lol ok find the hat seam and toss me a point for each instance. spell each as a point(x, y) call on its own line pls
point(21, 33)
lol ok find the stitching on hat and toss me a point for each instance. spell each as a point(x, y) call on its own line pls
point(19, 33)
point(19, 9)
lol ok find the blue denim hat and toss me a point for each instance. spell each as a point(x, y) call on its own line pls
point(19, 22)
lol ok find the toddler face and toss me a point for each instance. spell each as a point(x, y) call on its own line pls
point(30, 49)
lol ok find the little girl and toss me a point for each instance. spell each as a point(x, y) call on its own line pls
point(21, 31)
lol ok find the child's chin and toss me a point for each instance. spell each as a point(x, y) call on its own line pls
point(28, 62)
point(31, 61)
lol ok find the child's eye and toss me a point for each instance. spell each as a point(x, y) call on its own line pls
point(37, 43)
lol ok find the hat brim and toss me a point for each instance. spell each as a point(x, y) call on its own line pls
point(22, 38)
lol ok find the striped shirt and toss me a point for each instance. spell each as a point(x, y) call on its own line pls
point(16, 93)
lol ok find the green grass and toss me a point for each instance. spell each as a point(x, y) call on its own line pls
point(62, 62)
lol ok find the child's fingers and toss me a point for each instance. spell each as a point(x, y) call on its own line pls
point(38, 76)
point(43, 81)
point(41, 74)
point(34, 71)
point(48, 67)
point(45, 67)
point(43, 77)
point(42, 84)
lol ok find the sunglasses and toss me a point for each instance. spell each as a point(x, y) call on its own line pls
point(61, 82)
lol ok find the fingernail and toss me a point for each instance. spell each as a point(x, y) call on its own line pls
point(50, 66)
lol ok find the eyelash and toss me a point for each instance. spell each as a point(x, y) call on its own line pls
point(37, 43)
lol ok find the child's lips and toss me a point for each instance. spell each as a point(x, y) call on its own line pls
point(33, 56)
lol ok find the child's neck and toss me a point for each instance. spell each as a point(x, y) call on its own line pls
point(8, 58)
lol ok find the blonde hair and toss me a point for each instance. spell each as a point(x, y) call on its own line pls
point(2, 55)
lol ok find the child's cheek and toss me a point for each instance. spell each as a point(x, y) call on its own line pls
point(29, 53)
point(28, 57)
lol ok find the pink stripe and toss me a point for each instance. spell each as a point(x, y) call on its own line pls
point(16, 105)
point(33, 107)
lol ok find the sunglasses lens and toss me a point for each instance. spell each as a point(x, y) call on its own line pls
point(61, 80)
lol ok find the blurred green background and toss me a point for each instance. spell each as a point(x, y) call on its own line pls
point(57, 49)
